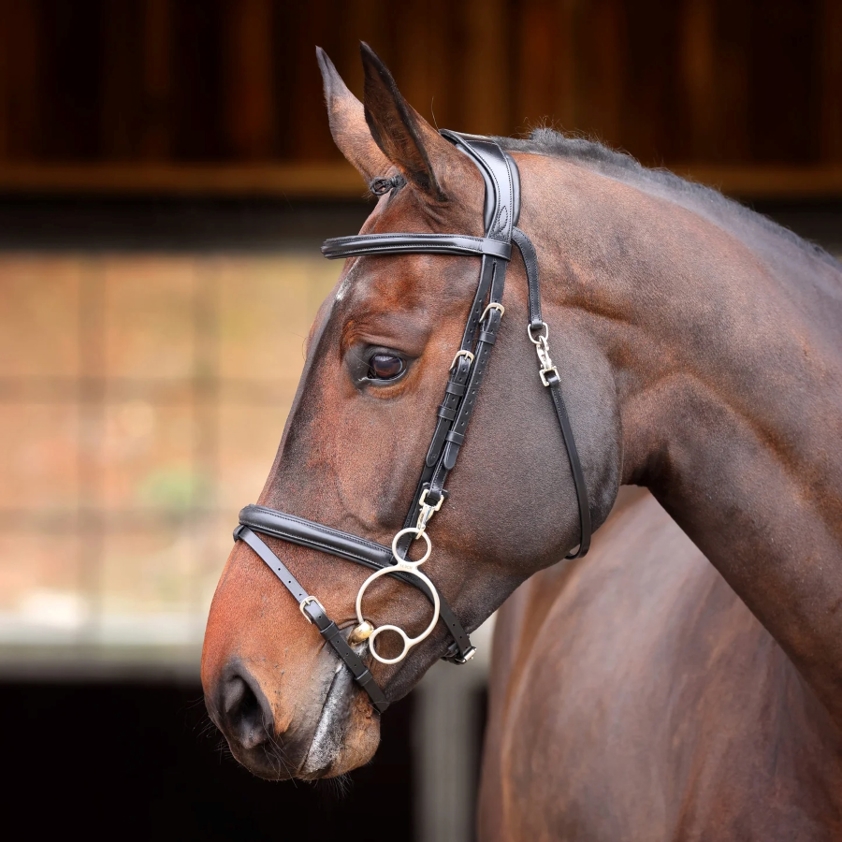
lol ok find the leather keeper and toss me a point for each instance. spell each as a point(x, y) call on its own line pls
point(436, 444)
point(453, 388)
point(451, 452)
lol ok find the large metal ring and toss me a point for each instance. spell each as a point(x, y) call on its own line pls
point(403, 566)
point(408, 642)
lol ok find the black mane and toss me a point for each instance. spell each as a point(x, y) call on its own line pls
point(624, 167)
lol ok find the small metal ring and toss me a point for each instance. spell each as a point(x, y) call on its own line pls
point(304, 603)
point(419, 533)
point(467, 354)
point(543, 337)
point(493, 306)
point(407, 644)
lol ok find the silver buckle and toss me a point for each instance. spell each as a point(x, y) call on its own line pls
point(467, 354)
point(544, 335)
point(493, 306)
point(304, 603)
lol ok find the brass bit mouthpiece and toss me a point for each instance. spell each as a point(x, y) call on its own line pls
point(361, 633)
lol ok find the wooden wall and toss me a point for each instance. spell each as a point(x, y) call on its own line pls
point(216, 87)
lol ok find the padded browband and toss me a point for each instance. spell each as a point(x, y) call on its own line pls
point(364, 244)
point(317, 536)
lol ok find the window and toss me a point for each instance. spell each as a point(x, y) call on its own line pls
point(142, 399)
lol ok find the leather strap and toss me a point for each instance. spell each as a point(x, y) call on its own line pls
point(502, 181)
point(312, 609)
point(530, 262)
point(307, 533)
point(459, 244)
point(554, 385)
point(317, 536)
point(454, 391)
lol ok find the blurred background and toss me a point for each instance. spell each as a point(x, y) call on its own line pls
point(166, 177)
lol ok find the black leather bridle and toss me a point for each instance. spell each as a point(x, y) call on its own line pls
point(502, 206)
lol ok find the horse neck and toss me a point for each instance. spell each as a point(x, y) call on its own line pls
point(724, 342)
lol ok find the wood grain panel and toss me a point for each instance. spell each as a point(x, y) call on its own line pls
point(121, 115)
point(697, 98)
point(197, 115)
point(829, 22)
point(545, 90)
point(248, 79)
point(604, 70)
point(181, 83)
point(156, 75)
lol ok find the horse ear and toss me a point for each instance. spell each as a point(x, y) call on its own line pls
point(423, 156)
point(348, 124)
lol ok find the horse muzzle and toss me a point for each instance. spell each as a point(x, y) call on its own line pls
point(331, 733)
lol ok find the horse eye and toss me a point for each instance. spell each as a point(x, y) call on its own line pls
point(385, 367)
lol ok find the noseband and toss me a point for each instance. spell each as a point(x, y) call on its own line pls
point(502, 207)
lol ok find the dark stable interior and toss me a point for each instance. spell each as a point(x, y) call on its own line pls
point(136, 760)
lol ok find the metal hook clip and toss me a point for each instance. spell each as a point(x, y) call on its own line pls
point(427, 511)
point(542, 348)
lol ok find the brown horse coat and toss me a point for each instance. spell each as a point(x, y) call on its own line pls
point(634, 697)
point(700, 356)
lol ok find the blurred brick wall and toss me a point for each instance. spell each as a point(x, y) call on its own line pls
point(142, 398)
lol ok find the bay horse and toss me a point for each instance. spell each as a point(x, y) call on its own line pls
point(699, 357)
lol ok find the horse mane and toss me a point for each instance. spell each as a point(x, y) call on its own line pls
point(697, 197)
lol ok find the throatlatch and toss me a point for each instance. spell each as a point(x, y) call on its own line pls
point(501, 210)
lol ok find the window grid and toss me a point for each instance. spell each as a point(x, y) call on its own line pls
point(231, 310)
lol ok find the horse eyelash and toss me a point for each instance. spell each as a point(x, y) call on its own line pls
point(381, 186)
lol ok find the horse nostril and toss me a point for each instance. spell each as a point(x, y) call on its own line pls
point(245, 712)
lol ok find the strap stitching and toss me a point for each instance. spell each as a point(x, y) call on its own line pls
point(275, 515)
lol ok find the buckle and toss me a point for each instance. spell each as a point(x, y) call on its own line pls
point(493, 306)
point(463, 659)
point(466, 354)
point(545, 332)
point(304, 603)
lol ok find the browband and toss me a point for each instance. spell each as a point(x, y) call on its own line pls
point(415, 244)
point(501, 210)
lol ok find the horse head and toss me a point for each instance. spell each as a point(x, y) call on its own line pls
point(379, 355)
